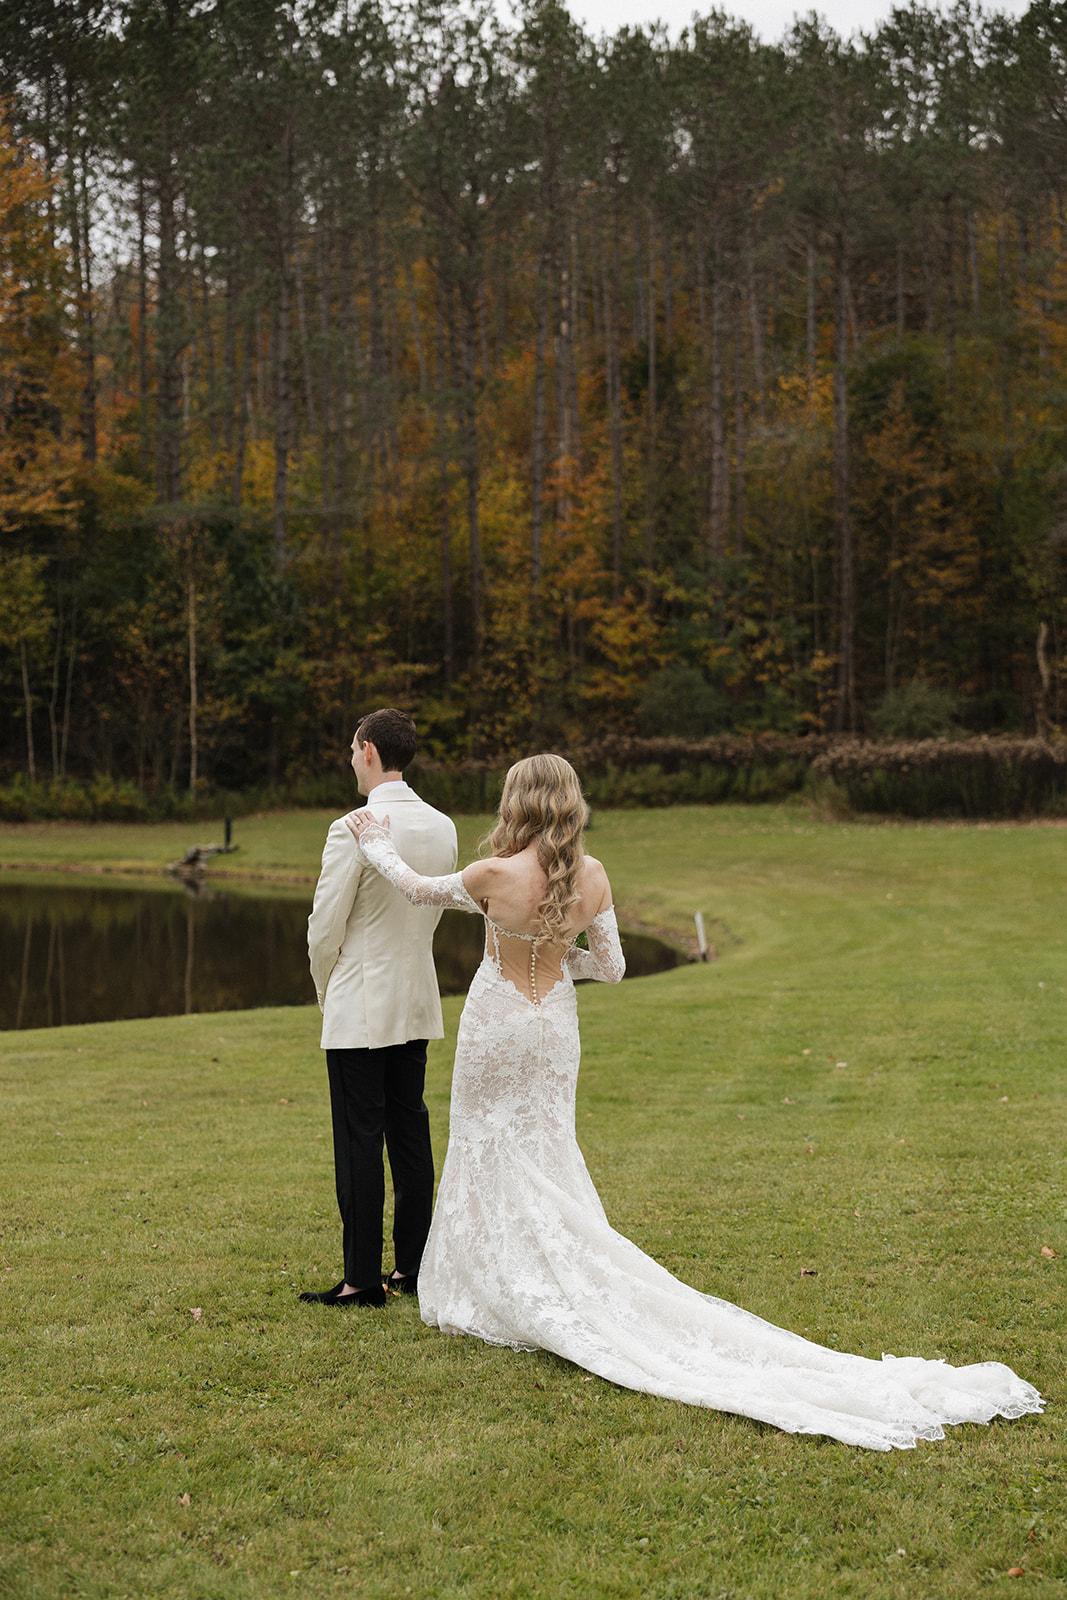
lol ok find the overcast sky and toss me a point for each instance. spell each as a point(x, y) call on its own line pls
point(770, 18)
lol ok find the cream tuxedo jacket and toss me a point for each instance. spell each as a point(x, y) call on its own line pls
point(371, 952)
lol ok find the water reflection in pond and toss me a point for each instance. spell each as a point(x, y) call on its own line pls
point(76, 952)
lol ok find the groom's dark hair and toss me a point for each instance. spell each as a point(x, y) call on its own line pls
point(392, 733)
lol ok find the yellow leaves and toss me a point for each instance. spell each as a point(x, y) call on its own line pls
point(25, 617)
point(29, 265)
point(802, 403)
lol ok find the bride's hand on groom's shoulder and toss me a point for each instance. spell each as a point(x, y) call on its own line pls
point(357, 823)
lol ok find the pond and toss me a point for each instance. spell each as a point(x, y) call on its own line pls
point(100, 952)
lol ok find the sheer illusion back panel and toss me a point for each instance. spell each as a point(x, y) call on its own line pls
point(521, 1252)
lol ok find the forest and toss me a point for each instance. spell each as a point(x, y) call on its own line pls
point(552, 387)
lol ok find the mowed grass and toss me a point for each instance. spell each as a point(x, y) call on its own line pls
point(867, 1085)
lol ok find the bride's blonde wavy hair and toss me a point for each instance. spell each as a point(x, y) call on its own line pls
point(543, 800)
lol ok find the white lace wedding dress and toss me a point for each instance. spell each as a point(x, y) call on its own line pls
point(521, 1253)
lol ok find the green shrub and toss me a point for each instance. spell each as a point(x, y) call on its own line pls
point(679, 702)
point(117, 801)
point(917, 710)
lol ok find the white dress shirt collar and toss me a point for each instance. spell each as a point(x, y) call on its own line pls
point(382, 791)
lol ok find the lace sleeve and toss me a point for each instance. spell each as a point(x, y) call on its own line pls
point(604, 959)
point(379, 850)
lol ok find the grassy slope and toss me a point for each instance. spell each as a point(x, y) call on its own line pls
point(311, 1442)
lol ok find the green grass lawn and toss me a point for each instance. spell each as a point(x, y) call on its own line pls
point(869, 1084)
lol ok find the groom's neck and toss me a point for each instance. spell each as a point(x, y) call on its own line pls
point(386, 777)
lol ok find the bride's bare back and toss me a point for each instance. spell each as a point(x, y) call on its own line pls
point(509, 889)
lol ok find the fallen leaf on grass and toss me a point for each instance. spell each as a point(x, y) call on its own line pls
point(184, 1500)
point(196, 1313)
point(809, 1272)
point(1016, 1572)
point(283, 1102)
point(787, 1101)
point(740, 1116)
point(1047, 1251)
point(811, 1150)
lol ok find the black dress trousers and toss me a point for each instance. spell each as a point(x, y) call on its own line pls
point(376, 1094)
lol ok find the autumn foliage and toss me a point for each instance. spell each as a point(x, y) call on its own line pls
point(560, 391)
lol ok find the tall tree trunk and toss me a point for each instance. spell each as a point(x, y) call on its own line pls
point(142, 323)
point(756, 320)
point(305, 345)
point(812, 315)
point(208, 324)
point(1041, 716)
point(653, 422)
point(901, 323)
point(972, 256)
point(81, 253)
point(53, 698)
point(720, 471)
point(950, 297)
point(242, 398)
point(282, 416)
point(376, 340)
point(469, 297)
point(537, 506)
point(1003, 351)
point(844, 712)
point(445, 513)
point(330, 415)
point(739, 427)
point(168, 341)
point(65, 734)
point(194, 743)
point(416, 331)
point(27, 700)
point(228, 384)
point(614, 377)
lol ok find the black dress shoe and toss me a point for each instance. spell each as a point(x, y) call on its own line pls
point(403, 1283)
point(374, 1296)
point(324, 1297)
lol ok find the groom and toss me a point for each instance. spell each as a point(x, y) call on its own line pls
point(372, 963)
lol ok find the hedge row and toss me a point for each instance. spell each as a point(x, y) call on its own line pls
point(977, 777)
point(642, 772)
point(981, 777)
point(107, 799)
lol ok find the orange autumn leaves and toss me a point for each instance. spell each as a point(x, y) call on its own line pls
point(38, 445)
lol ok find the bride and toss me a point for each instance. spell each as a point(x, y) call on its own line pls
point(521, 1253)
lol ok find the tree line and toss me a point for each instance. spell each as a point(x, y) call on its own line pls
point(550, 386)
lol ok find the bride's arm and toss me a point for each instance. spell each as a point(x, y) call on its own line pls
point(604, 959)
point(379, 850)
